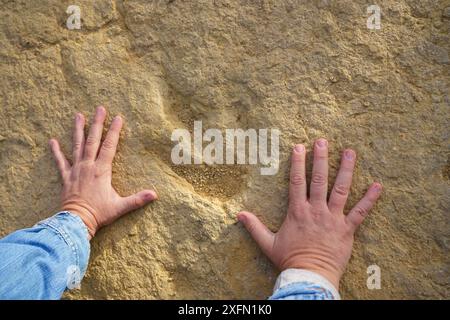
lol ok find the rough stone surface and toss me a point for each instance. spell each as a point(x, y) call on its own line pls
point(308, 68)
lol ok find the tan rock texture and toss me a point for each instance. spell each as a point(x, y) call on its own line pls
point(309, 68)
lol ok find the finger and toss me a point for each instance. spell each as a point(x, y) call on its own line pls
point(362, 208)
point(95, 135)
point(137, 201)
point(343, 182)
point(78, 138)
point(319, 177)
point(109, 145)
point(259, 232)
point(61, 161)
point(297, 185)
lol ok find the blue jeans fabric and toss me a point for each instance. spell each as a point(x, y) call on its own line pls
point(41, 261)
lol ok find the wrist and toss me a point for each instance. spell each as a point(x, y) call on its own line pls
point(328, 272)
point(332, 277)
point(86, 216)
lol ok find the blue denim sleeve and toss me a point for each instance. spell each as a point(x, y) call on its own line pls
point(42, 261)
point(302, 291)
point(300, 284)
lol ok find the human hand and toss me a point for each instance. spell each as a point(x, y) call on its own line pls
point(87, 190)
point(315, 235)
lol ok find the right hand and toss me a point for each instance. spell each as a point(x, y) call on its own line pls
point(316, 235)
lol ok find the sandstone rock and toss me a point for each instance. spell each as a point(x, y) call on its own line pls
point(446, 12)
point(310, 70)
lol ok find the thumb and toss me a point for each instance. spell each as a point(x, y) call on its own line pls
point(137, 200)
point(259, 232)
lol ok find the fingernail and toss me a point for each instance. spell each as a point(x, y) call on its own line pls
point(241, 217)
point(78, 116)
point(299, 148)
point(117, 118)
point(151, 195)
point(322, 143)
point(349, 154)
point(377, 187)
point(100, 109)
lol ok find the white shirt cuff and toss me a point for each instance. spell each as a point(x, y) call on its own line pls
point(289, 276)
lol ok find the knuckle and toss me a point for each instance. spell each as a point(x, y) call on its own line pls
point(90, 141)
point(349, 231)
point(102, 169)
point(297, 159)
point(137, 202)
point(77, 145)
point(363, 212)
point(86, 165)
point(320, 156)
point(296, 212)
point(108, 144)
point(319, 179)
point(346, 168)
point(251, 227)
point(297, 179)
point(341, 190)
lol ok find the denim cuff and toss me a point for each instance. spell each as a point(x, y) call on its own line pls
point(74, 232)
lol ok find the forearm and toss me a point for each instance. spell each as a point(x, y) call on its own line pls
point(40, 262)
point(299, 284)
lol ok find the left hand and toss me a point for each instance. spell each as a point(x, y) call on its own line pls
point(87, 190)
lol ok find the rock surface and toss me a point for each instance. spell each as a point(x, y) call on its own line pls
point(311, 69)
